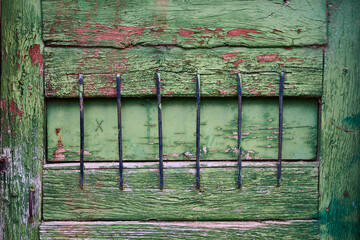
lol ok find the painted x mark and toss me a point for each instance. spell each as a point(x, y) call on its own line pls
point(99, 125)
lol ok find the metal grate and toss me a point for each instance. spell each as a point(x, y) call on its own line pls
point(161, 167)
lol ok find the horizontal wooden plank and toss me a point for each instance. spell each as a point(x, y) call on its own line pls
point(218, 199)
point(196, 23)
point(217, 67)
point(218, 139)
point(296, 229)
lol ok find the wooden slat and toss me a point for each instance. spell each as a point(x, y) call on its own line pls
point(218, 129)
point(260, 67)
point(196, 23)
point(300, 229)
point(218, 199)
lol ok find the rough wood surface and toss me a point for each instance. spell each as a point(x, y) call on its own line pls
point(196, 23)
point(21, 109)
point(340, 148)
point(217, 67)
point(218, 131)
point(218, 199)
point(300, 229)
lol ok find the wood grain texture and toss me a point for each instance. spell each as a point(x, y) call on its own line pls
point(195, 23)
point(340, 147)
point(218, 129)
point(22, 116)
point(300, 229)
point(217, 67)
point(218, 199)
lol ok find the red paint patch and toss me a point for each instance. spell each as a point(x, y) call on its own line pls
point(241, 31)
point(298, 31)
point(15, 110)
point(222, 91)
point(36, 57)
point(275, 31)
point(160, 30)
point(111, 92)
point(268, 57)
point(228, 56)
point(239, 62)
point(169, 93)
point(291, 59)
point(185, 33)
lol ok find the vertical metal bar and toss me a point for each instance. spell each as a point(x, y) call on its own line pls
point(31, 204)
point(121, 164)
point(81, 94)
point(239, 128)
point(198, 131)
point(281, 93)
point(161, 167)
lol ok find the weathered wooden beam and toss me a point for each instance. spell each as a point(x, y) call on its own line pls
point(217, 67)
point(294, 229)
point(218, 199)
point(201, 23)
point(340, 130)
point(22, 118)
point(218, 140)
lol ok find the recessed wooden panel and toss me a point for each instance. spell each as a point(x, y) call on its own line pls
point(218, 199)
point(260, 69)
point(196, 23)
point(218, 129)
point(301, 229)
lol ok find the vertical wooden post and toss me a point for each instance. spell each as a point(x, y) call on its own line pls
point(340, 131)
point(22, 118)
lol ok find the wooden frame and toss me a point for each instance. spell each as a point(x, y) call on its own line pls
point(22, 121)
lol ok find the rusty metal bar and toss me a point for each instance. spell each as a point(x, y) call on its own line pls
point(198, 131)
point(281, 95)
point(31, 204)
point(239, 128)
point(121, 164)
point(81, 96)
point(161, 167)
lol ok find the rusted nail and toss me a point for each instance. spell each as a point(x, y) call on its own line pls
point(239, 128)
point(121, 164)
point(161, 167)
point(281, 95)
point(81, 95)
point(31, 203)
point(198, 131)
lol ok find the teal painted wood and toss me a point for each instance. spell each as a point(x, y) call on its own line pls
point(22, 118)
point(190, 24)
point(340, 133)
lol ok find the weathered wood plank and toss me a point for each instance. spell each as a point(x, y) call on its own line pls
point(296, 229)
point(340, 145)
point(196, 23)
point(260, 67)
point(22, 118)
point(218, 199)
point(218, 131)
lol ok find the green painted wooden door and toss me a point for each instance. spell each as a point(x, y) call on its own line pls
point(180, 39)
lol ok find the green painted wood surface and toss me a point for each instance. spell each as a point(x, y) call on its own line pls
point(196, 23)
point(218, 129)
point(340, 147)
point(300, 229)
point(260, 67)
point(218, 199)
point(21, 109)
